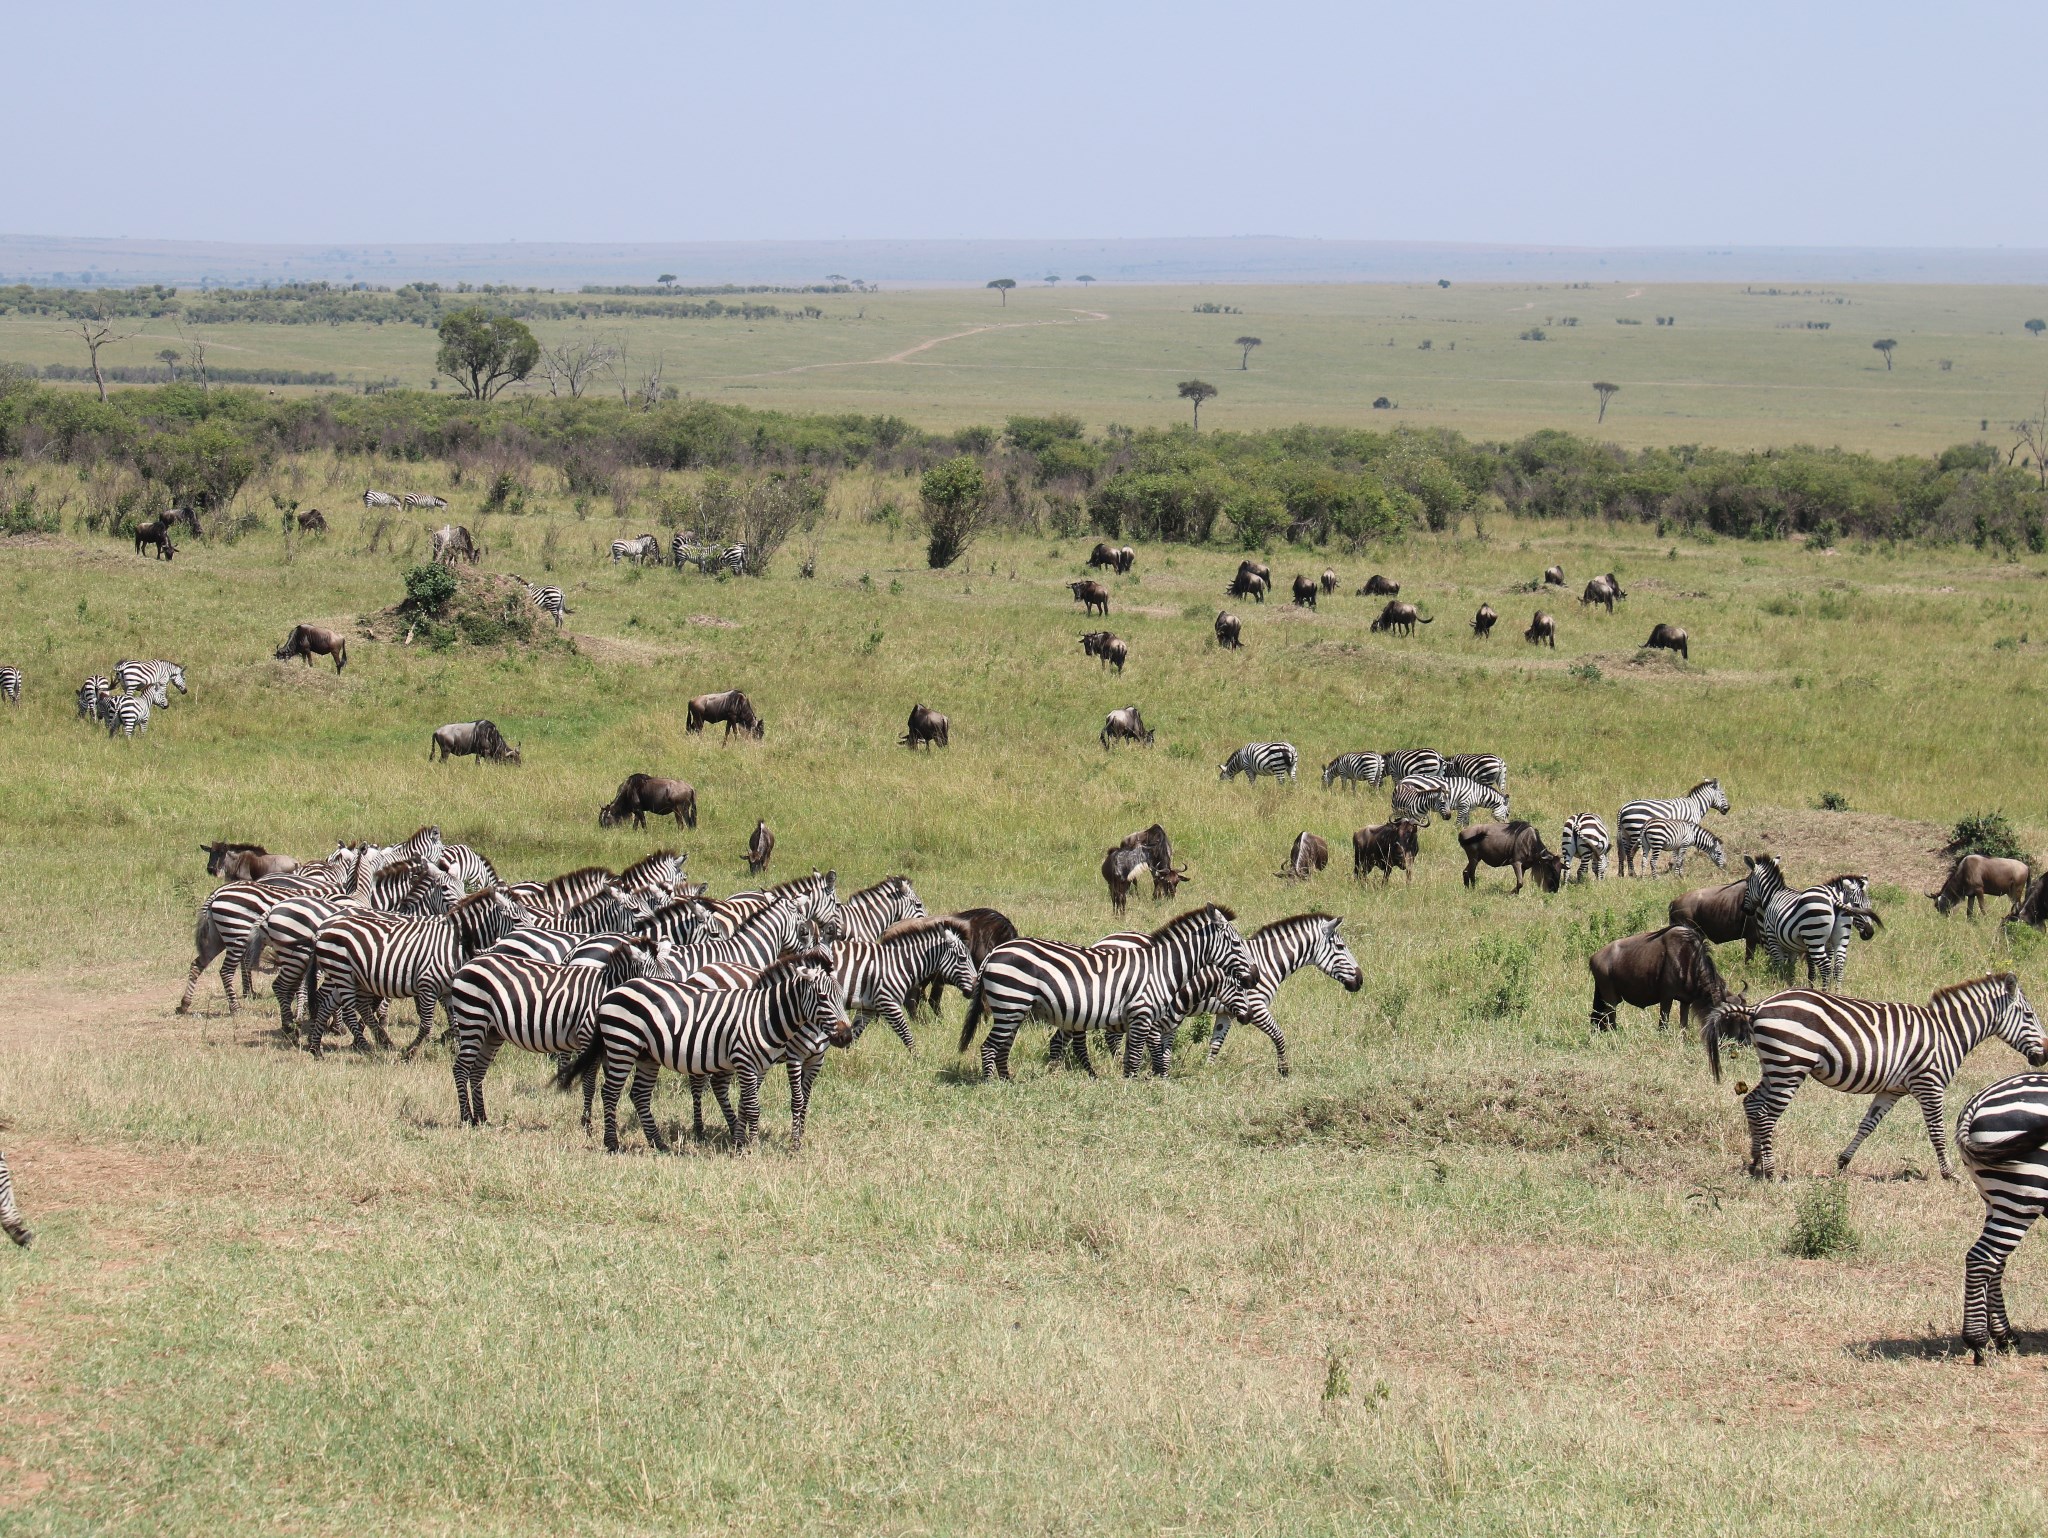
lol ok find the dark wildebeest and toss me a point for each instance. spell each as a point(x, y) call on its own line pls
point(244, 862)
point(1258, 569)
point(1117, 558)
point(1125, 725)
point(1517, 845)
point(1399, 617)
point(1304, 592)
point(1090, 595)
point(1309, 854)
point(1384, 847)
point(1663, 967)
point(312, 521)
point(1600, 591)
point(1553, 576)
point(1541, 629)
point(760, 848)
point(1377, 586)
point(1329, 579)
point(478, 739)
point(1715, 911)
point(156, 531)
point(2033, 907)
point(1229, 630)
point(1120, 867)
point(452, 540)
point(307, 640)
point(1484, 621)
point(1615, 582)
point(640, 794)
point(1977, 876)
point(926, 726)
point(1157, 850)
point(1108, 646)
point(1247, 584)
point(732, 707)
point(983, 929)
point(1670, 638)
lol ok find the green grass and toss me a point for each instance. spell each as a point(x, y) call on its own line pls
point(273, 1294)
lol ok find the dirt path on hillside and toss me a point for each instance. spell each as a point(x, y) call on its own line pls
point(1080, 317)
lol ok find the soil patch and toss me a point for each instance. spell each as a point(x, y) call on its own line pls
point(1814, 845)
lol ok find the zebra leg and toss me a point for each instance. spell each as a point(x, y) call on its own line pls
point(614, 1081)
point(1080, 1041)
point(899, 1022)
point(1264, 1021)
point(1879, 1108)
point(1984, 1321)
point(750, 1105)
point(423, 1001)
point(645, 1072)
point(480, 1064)
point(721, 1084)
point(227, 978)
point(1932, 1098)
point(799, 1102)
point(1056, 1049)
point(697, 1081)
point(1763, 1106)
point(1219, 1030)
point(10, 1214)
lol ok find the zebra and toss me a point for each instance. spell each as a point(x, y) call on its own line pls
point(679, 546)
point(413, 502)
point(291, 927)
point(90, 693)
point(378, 499)
point(551, 899)
point(546, 599)
point(1277, 759)
point(685, 921)
point(1864, 1047)
point(1407, 763)
point(640, 551)
point(880, 976)
point(467, 866)
point(231, 911)
point(1353, 767)
point(1279, 950)
point(1815, 921)
point(1452, 795)
point(1678, 838)
point(540, 1006)
point(1693, 806)
point(363, 957)
point(818, 894)
point(1585, 839)
point(1078, 989)
point(10, 1214)
point(789, 1016)
point(1486, 768)
point(762, 940)
point(10, 684)
point(733, 558)
point(127, 714)
point(656, 877)
point(874, 909)
point(2001, 1135)
point(157, 677)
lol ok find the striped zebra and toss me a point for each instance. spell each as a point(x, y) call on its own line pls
point(1676, 838)
point(1486, 768)
point(414, 502)
point(154, 677)
point(1278, 759)
point(1863, 1047)
point(538, 1006)
point(789, 1016)
point(1279, 950)
point(291, 928)
point(639, 551)
point(874, 909)
point(1815, 922)
point(680, 544)
point(1453, 796)
point(707, 558)
point(378, 499)
point(127, 714)
point(1693, 806)
point(548, 600)
point(90, 693)
point(361, 958)
point(1585, 840)
point(686, 921)
point(1077, 989)
point(2002, 1136)
point(10, 1213)
point(817, 893)
point(549, 900)
point(879, 977)
point(10, 684)
point(1376, 767)
point(469, 867)
point(231, 911)
point(760, 942)
point(654, 878)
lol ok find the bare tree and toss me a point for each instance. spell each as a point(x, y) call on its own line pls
point(94, 324)
point(1245, 345)
point(573, 365)
point(195, 348)
point(1197, 390)
point(2033, 437)
point(1606, 392)
point(1885, 344)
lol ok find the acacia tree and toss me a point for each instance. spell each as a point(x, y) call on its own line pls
point(94, 323)
point(666, 279)
point(483, 352)
point(2037, 327)
point(1086, 277)
point(1246, 344)
point(1197, 390)
point(1606, 392)
point(1885, 344)
point(169, 357)
point(1003, 287)
point(1052, 280)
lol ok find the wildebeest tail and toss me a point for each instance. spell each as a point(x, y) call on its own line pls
point(1430, 621)
point(1732, 1018)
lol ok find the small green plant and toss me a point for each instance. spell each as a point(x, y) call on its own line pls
point(1586, 672)
point(1336, 1379)
point(1821, 1227)
point(1505, 967)
point(1985, 833)
point(1833, 801)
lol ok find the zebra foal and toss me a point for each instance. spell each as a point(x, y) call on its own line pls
point(1693, 806)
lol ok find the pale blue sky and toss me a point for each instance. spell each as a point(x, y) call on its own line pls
point(1591, 124)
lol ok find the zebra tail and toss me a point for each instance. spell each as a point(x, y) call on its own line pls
point(570, 1074)
point(973, 1021)
point(1732, 1017)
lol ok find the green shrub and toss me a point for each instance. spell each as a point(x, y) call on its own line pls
point(1821, 1228)
point(25, 518)
point(1985, 833)
point(1505, 967)
point(1586, 672)
point(1833, 801)
point(428, 589)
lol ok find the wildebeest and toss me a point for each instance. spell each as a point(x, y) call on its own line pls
point(2033, 907)
point(983, 929)
point(732, 707)
point(1118, 559)
point(1541, 629)
point(1399, 617)
point(1258, 569)
point(308, 640)
point(1309, 853)
point(1247, 584)
point(1977, 876)
point(927, 726)
point(640, 794)
point(760, 848)
point(1553, 576)
point(1670, 638)
point(1715, 911)
point(452, 540)
point(1517, 845)
point(1600, 591)
point(1120, 867)
point(156, 531)
point(312, 521)
point(477, 739)
point(244, 862)
point(1384, 847)
point(1662, 967)
point(1108, 646)
point(1149, 850)
point(1329, 579)
point(1484, 621)
point(1305, 591)
point(1229, 630)
point(1125, 725)
point(1377, 586)
point(1090, 595)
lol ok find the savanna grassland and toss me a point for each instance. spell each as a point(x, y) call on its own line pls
point(1471, 1269)
point(1736, 367)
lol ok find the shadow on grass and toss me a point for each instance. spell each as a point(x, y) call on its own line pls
point(1935, 1348)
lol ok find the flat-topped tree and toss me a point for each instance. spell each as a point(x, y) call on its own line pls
point(2037, 327)
point(666, 279)
point(1606, 392)
point(1197, 390)
point(1086, 277)
point(1003, 287)
point(1246, 344)
point(1885, 344)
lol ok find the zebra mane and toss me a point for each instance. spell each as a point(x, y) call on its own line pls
point(886, 884)
point(1292, 918)
point(642, 867)
point(793, 887)
point(1703, 784)
point(905, 928)
point(2008, 979)
point(1183, 922)
point(475, 900)
point(782, 966)
point(556, 884)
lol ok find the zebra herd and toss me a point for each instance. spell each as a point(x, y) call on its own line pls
point(123, 703)
point(685, 549)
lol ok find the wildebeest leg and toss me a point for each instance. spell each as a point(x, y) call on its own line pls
point(1602, 1018)
point(1878, 1107)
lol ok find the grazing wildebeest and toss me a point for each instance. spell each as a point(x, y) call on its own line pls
point(1377, 586)
point(1600, 591)
point(244, 862)
point(1399, 617)
point(760, 848)
point(307, 640)
point(1305, 591)
point(1309, 853)
point(1541, 629)
point(1715, 911)
point(732, 707)
point(1126, 558)
point(2033, 907)
point(1670, 638)
point(1977, 876)
point(452, 540)
point(1125, 725)
point(1247, 584)
point(1384, 847)
point(478, 739)
point(1662, 967)
point(1517, 845)
point(156, 531)
point(312, 521)
point(640, 794)
point(1108, 646)
point(1229, 630)
point(1090, 595)
point(983, 929)
point(1329, 579)
point(927, 726)
point(1553, 576)
point(1484, 621)
point(1117, 558)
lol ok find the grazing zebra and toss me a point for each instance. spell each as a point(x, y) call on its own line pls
point(1486, 768)
point(10, 684)
point(817, 894)
point(10, 1214)
point(364, 957)
point(1452, 795)
point(733, 558)
point(679, 546)
point(378, 499)
point(1815, 921)
point(1678, 838)
point(640, 551)
point(1693, 806)
point(789, 1016)
point(467, 866)
point(1279, 950)
point(231, 911)
point(413, 502)
point(1278, 759)
point(538, 1006)
point(546, 599)
point(2002, 1135)
point(1585, 840)
point(156, 677)
point(879, 977)
point(1353, 767)
point(872, 910)
point(1863, 1047)
point(90, 693)
point(1080, 989)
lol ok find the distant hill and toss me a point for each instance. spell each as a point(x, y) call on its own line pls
point(939, 263)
